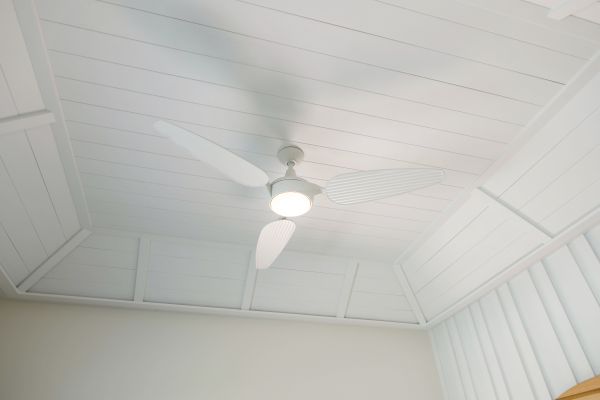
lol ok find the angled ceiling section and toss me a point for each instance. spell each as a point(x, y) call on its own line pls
point(548, 187)
point(415, 84)
point(37, 213)
point(153, 270)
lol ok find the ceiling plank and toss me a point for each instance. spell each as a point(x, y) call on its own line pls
point(54, 259)
point(26, 121)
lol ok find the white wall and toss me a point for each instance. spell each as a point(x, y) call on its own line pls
point(533, 337)
point(67, 352)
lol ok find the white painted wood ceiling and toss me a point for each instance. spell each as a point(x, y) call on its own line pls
point(358, 85)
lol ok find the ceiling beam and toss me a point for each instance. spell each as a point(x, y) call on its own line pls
point(577, 228)
point(25, 121)
point(29, 22)
point(346, 292)
point(141, 272)
point(53, 260)
point(569, 7)
point(409, 293)
point(566, 94)
point(516, 214)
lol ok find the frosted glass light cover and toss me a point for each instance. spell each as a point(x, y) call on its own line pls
point(291, 204)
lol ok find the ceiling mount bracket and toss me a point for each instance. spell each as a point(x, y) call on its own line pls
point(290, 156)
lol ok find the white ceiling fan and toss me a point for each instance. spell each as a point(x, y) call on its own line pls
point(292, 196)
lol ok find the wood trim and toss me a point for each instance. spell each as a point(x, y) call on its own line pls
point(53, 260)
point(250, 284)
point(409, 293)
point(6, 284)
point(25, 121)
point(55, 298)
point(589, 389)
point(568, 7)
point(141, 273)
point(346, 292)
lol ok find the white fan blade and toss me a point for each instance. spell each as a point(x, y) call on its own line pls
point(363, 186)
point(223, 160)
point(272, 240)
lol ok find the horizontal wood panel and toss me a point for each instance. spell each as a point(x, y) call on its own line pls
point(303, 240)
point(420, 124)
point(22, 167)
point(396, 24)
point(511, 26)
point(260, 41)
point(161, 108)
point(319, 86)
point(508, 254)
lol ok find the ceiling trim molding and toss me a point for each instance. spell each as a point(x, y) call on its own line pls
point(579, 227)
point(579, 80)
point(250, 284)
point(346, 292)
point(410, 294)
point(6, 284)
point(228, 312)
point(38, 54)
point(53, 260)
point(568, 7)
point(26, 121)
point(516, 214)
point(141, 271)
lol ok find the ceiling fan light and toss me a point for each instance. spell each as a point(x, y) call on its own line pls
point(291, 204)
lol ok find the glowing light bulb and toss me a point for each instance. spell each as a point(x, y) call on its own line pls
point(291, 204)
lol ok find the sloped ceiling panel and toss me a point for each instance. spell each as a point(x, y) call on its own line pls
point(37, 214)
point(125, 266)
point(534, 337)
point(551, 183)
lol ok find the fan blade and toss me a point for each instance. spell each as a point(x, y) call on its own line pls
point(363, 186)
point(272, 240)
point(223, 160)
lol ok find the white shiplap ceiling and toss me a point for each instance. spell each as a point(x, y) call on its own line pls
point(408, 85)
point(358, 85)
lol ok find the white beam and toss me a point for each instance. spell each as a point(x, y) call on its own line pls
point(517, 215)
point(581, 226)
point(25, 121)
point(569, 7)
point(409, 293)
point(30, 24)
point(560, 99)
point(53, 260)
point(250, 283)
point(6, 284)
point(346, 291)
point(141, 274)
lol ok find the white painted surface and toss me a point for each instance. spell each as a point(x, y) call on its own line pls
point(61, 352)
point(543, 325)
point(415, 84)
